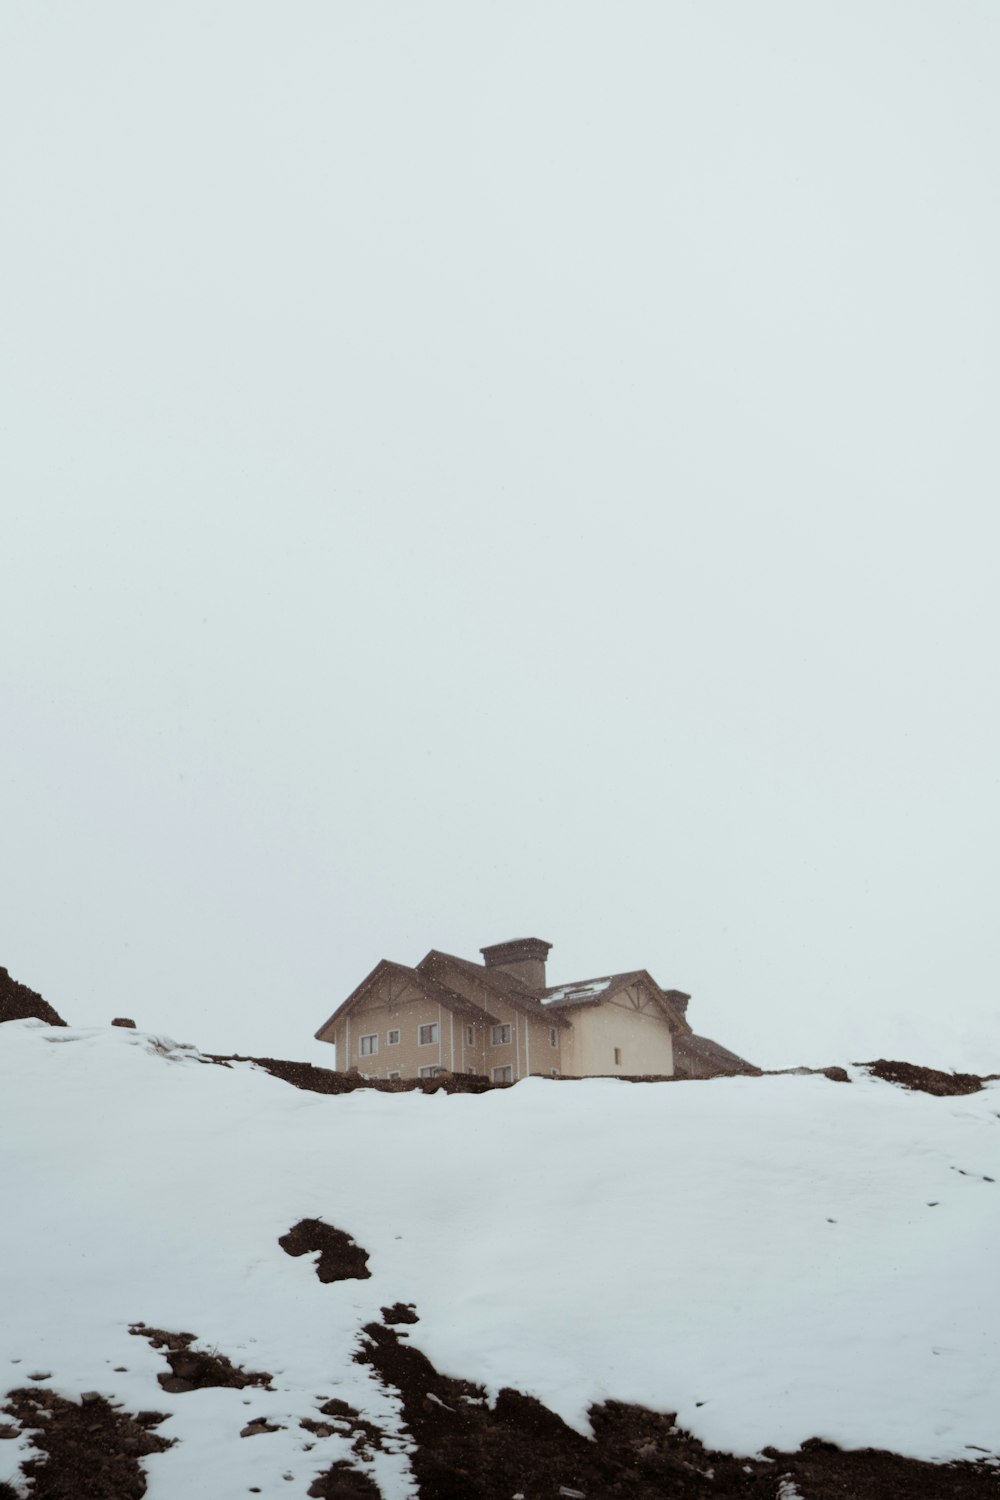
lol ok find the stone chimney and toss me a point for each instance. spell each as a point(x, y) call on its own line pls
point(522, 957)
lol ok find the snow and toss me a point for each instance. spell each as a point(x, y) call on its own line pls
point(772, 1258)
point(584, 991)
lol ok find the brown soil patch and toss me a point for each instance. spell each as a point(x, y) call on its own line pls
point(18, 1003)
point(923, 1080)
point(303, 1075)
point(260, 1425)
point(340, 1259)
point(314, 1080)
point(92, 1449)
point(341, 1482)
point(467, 1451)
point(195, 1369)
point(400, 1312)
point(343, 1418)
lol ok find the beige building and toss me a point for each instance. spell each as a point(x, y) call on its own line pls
point(500, 1020)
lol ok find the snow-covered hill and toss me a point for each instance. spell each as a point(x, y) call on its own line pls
point(771, 1259)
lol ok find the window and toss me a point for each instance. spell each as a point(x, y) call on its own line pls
point(553, 1037)
point(393, 1038)
point(501, 1036)
point(369, 1046)
point(431, 1072)
point(470, 1035)
point(428, 1034)
point(503, 1075)
point(618, 1057)
point(395, 1075)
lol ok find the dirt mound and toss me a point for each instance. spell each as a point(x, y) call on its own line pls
point(341, 1482)
point(314, 1080)
point(467, 1450)
point(923, 1080)
point(91, 1448)
point(340, 1259)
point(18, 1003)
point(194, 1369)
point(400, 1312)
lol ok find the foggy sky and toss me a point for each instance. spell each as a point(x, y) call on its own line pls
point(473, 471)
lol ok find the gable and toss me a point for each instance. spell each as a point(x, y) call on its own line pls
point(392, 984)
point(636, 990)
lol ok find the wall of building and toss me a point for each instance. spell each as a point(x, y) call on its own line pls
point(528, 1051)
point(541, 1056)
point(464, 1043)
point(388, 1006)
point(642, 1038)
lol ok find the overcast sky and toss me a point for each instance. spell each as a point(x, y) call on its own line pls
point(474, 470)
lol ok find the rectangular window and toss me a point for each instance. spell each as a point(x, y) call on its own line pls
point(618, 1057)
point(428, 1034)
point(501, 1036)
point(431, 1072)
point(369, 1046)
point(470, 1035)
point(393, 1038)
point(553, 1038)
point(503, 1075)
point(395, 1075)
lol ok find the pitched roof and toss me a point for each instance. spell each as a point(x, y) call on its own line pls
point(588, 991)
point(507, 986)
point(708, 1054)
point(584, 992)
point(426, 983)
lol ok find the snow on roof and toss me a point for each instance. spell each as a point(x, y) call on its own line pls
point(581, 989)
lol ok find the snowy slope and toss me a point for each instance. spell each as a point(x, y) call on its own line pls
point(771, 1258)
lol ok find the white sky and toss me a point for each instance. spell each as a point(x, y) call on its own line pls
point(477, 470)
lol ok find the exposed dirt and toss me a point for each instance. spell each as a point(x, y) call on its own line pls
point(340, 1259)
point(194, 1369)
point(400, 1312)
point(18, 1003)
point(924, 1080)
point(315, 1080)
point(365, 1436)
point(464, 1449)
point(91, 1449)
point(258, 1426)
point(467, 1451)
point(341, 1482)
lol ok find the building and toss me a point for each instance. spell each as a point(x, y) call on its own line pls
point(500, 1020)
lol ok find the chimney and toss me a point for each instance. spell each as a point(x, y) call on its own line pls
point(522, 957)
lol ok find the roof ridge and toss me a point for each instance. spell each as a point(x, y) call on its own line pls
point(499, 977)
point(507, 986)
point(575, 984)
